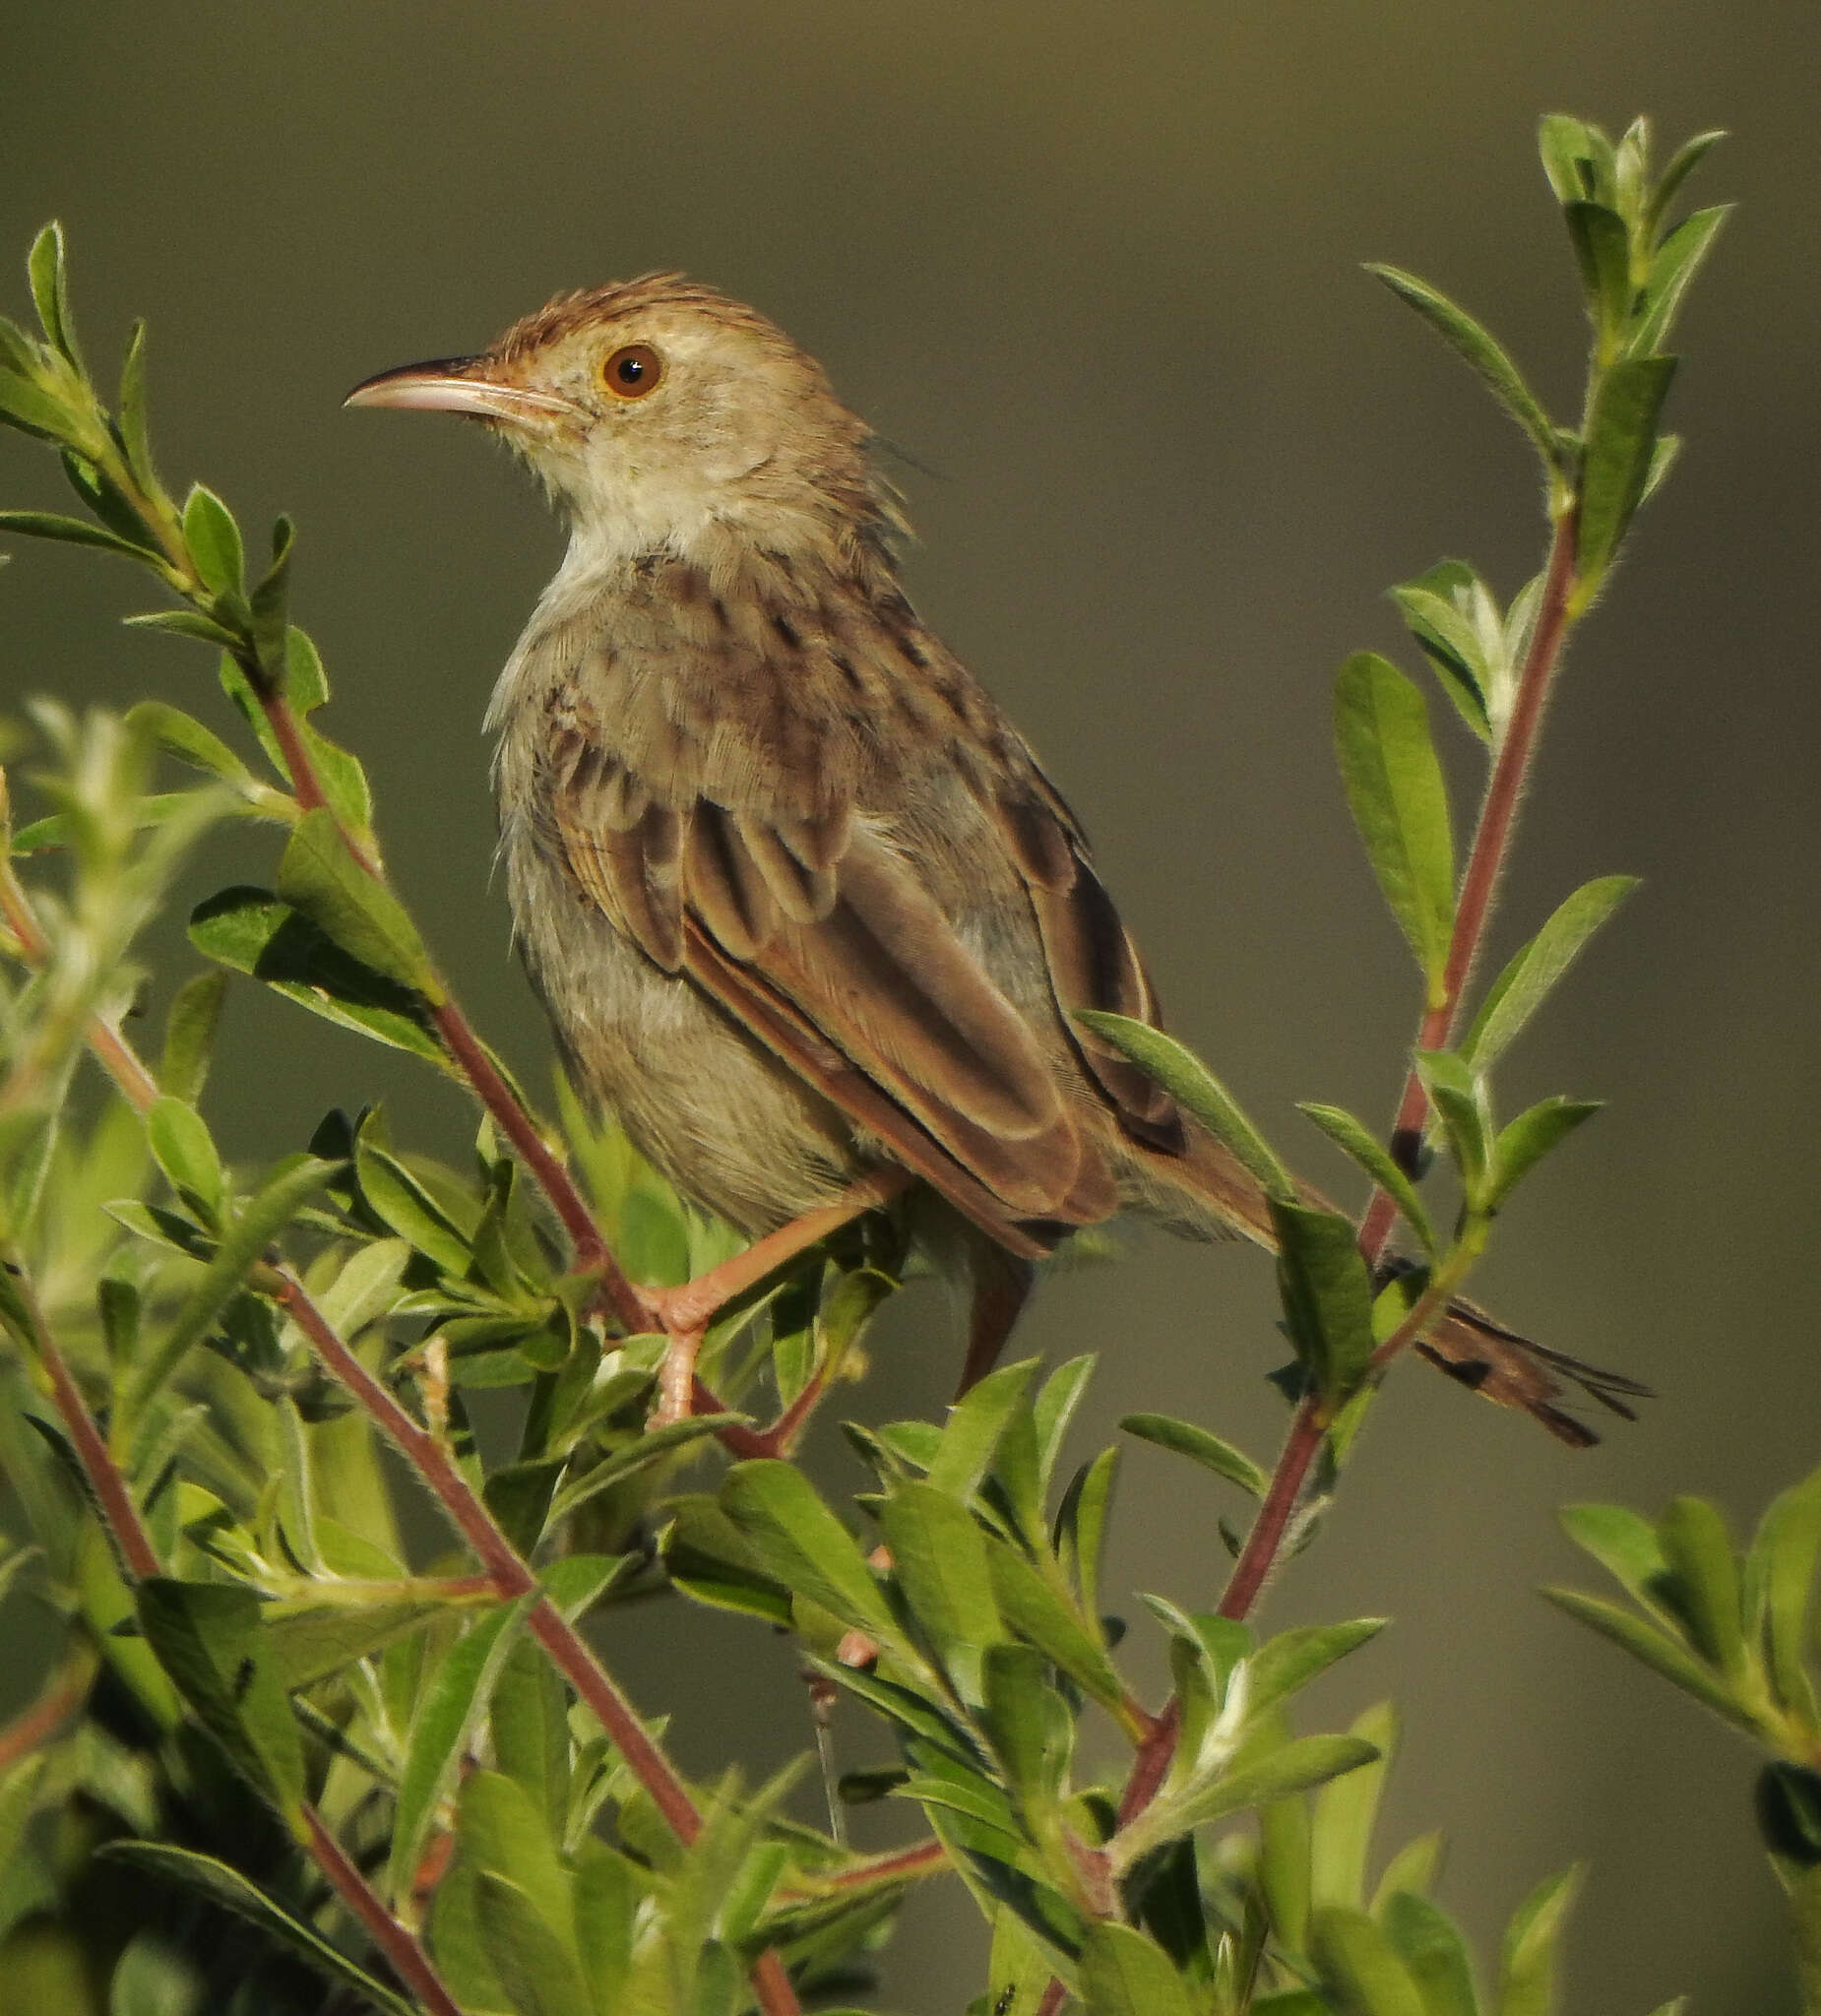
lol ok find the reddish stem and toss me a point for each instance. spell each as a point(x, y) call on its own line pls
point(409, 1960)
point(1486, 862)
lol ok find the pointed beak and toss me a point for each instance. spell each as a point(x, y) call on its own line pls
point(457, 385)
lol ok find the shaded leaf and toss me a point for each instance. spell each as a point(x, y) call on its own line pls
point(1621, 439)
point(1400, 804)
point(1658, 1651)
point(1189, 1080)
point(1362, 1973)
point(1532, 973)
point(1124, 1973)
point(75, 531)
point(319, 877)
point(796, 1538)
point(1524, 1141)
point(1352, 1137)
point(1327, 1294)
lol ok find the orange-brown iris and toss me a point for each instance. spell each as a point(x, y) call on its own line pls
point(632, 371)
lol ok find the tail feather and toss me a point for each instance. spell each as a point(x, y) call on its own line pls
point(1205, 1190)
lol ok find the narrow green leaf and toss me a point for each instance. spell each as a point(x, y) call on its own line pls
point(1361, 1971)
point(208, 1640)
point(214, 541)
point(48, 273)
point(535, 1967)
point(1124, 1973)
point(184, 623)
point(1786, 1544)
point(1189, 1080)
point(1625, 1544)
point(1658, 1651)
point(313, 1641)
point(1459, 1094)
point(251, 931)
point(401, 1201)
point(1621, 439)
point(1449, 641)
point(1524, 1141)
point(269, 604)
point(1080, 1525)
point(1528, 1971)
point(1292, 1767)
point(1287, 1662)
point(33, 410)
point(1037, 1614)
point(1283, 1870)
point(1400, 804)
point(939, 1560)
point(320, 878)
point(975, 1426)
point(1352, 1137)
point(228, 1888)
point(452, 1705)
point(1030, 1728)
point(528, 1721)
point(183, 1148)
point(135, 428)
point(1534, 972)
point(706, 1559)
point(189, 1035)
point(185, 737)
point(1345, 1812)
point(654, 1446)
point(1052, 1412)
point(1326, 1293)
point(1704, 1582)
point(1677, 171)
point(1482, 354)
point(1577, 157)
point(801, 1542)
point(1413, 1868)
point(1432, 1950)
point(1673, 265)
point(1602, 251)
point(75, 531)
point(1184, 1438)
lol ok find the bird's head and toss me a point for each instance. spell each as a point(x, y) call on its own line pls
point(663, 417)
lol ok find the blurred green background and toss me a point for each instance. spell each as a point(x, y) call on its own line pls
point(1095, 271)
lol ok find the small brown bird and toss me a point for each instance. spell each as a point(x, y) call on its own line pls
point(798, 898)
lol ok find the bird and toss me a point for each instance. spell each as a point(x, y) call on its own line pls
point(799, 900)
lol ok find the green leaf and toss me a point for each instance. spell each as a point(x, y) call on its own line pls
point(1346, 1811)
point(189, 1035)
point(1526, 1983)
point(796, 1538)
point(214, 541)
point(1413, 1868)
point(1705, 1583)
point(1672, 266)
point(1448, 638)
point(706, 1559)
point(1124, 1973)
point(1400, 804)
point(319, 877)
point(48, 275)
point(1533, 974)
point(75, 531)
point(1658, 1651)
point(1327, 1294)
point(1433, 1952)
point(314, 1640)
point(1460, 1100)
point(251, 931)
point(33, 410)
point(1080, 1525)
point(268, 603)
point(1287, 1662)
point(1577, 157)
point(1283, 1870)
point(1036, 1613)
point(185, 737)
point(536, 1969)
point(1352, 1137)
point(1184, 1438)
point(242, 1248)
point(1362, 1973)
point(1292, 1767)
point(452, 1705)
point(226, 1887)
point(975, 1426)
point(185, 623)
point(1481, 353)
point(396, 1197)
point(939, 1560)
point(1602, 251)
point(1784, 1556)
point(183, 1148)
point(529, 1724)
point(135, 430)
point(1189, 1080)
point(1525, 1140)
point(1675, 173)
point(1621, 439)
point(1625, 1544)
point(1030, 1728)
point(208, 1638)
point(1788, 1802)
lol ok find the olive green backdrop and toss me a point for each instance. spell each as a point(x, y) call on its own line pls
point(1096, 270)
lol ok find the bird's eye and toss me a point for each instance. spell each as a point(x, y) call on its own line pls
point(632, 370)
